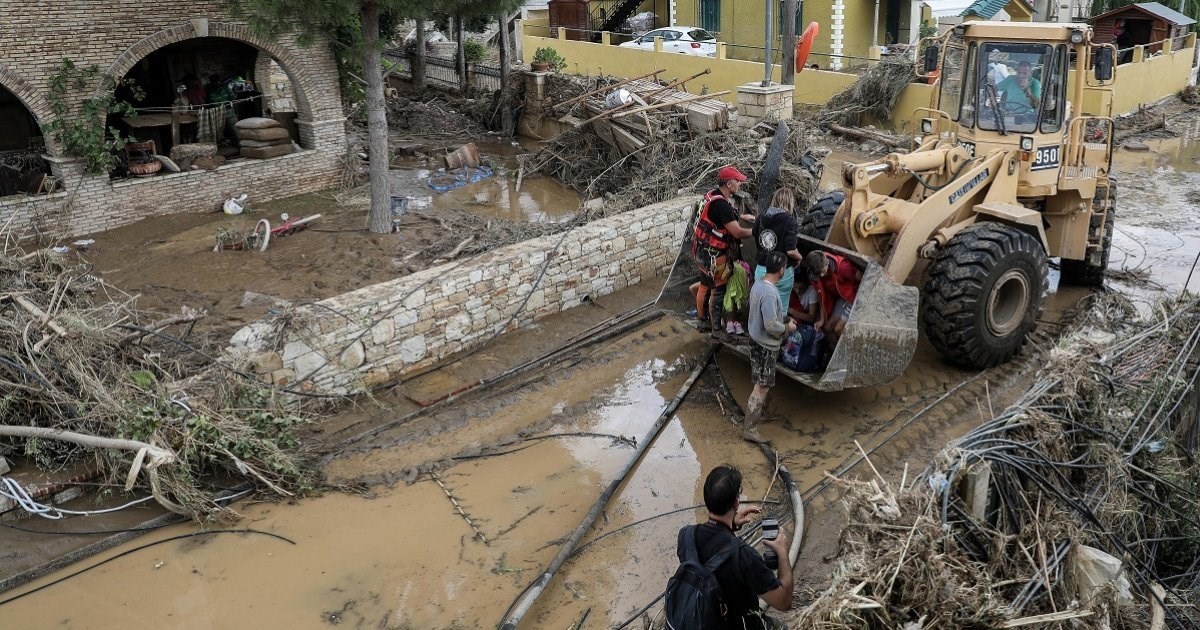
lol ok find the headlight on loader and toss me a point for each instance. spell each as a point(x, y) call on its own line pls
point(926, 126)
point(1027, 143)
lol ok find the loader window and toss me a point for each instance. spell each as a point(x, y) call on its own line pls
point(950, 98)
point(1054, 105)
point(1011, 83)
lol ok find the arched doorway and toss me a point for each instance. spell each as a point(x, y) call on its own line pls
point(194, 91)
point(22, 167)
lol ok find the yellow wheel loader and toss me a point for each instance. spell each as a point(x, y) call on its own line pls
point(1007, 172)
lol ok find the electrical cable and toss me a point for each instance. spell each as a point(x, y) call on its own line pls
point(127, 552)
point(175, 521)
point(10, 489)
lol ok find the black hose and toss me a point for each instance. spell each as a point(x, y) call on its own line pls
point(518, 609)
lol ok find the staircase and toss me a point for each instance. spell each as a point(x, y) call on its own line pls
point(608, 15)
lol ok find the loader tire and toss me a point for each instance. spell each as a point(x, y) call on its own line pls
point(1089, 272)
point(984, 294)
point(820, 216)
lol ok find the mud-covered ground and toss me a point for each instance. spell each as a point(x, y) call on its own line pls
point(169, 260)
point(492, 497)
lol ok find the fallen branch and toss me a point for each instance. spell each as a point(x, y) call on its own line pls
point(188, 315)
point(867, 134)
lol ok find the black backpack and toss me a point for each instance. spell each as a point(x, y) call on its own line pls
point(693, 599)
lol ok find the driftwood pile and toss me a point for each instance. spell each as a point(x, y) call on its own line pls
point(651, 155)
point(631, 114)
point(1077, 507)
point(88, 379)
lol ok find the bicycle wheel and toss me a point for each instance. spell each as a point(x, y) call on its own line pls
point(261, 235)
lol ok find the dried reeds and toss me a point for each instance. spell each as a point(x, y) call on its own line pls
point(872, 96)
point(1096, 455)
point(77, 355)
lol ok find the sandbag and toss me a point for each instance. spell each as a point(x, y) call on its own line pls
point(257, 123)
point(262, 153)
point(258, 144)
point(263, 135)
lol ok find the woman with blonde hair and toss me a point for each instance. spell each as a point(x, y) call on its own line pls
point(775, 231)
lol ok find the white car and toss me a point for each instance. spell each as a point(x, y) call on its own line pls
point(688, 40)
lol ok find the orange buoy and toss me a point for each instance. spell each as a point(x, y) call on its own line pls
point(805, 43)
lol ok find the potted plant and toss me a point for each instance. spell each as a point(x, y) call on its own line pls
point(547, 59)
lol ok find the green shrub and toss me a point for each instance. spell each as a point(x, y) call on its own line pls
point(550, 57)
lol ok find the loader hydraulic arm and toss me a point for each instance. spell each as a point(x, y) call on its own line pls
point(891, 221)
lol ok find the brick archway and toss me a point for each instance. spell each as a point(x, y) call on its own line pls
point(31, 98)
point(302, 82)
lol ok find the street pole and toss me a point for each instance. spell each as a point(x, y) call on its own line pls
point(766, 82)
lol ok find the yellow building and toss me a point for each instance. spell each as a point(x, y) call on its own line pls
point(849, 28)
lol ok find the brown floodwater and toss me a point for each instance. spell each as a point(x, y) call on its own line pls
point(403, 556)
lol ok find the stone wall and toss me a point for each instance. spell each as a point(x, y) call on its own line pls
point(351, 342)
point(115, 35)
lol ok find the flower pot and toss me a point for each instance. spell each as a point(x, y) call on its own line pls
point(540, 67)
point(145, 169)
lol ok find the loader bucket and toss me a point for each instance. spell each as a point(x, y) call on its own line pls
point(880, 337)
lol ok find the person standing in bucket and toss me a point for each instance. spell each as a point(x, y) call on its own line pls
point(741, 573)
point(776, 230)
point(714, 242)
point(768, 326)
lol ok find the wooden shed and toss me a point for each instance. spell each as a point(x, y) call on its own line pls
point(1143, 24)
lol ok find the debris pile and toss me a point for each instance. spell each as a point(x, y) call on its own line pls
point(78, 356)
point(1074, 508)
point(873, 95)
point(637, 142)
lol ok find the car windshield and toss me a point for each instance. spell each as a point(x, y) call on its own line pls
point(701, 35)
point(1004, 91)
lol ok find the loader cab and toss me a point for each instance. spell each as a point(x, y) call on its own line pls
point(1009, 94)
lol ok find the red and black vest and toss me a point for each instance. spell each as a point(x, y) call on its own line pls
point(707, 232)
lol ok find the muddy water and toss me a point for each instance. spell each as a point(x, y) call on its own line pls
point(538, 199)
point(1158, 228)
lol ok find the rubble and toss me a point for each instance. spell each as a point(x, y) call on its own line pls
point(81, 359)
point(1040, 514)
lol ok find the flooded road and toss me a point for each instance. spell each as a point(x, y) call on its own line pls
point(503, 477)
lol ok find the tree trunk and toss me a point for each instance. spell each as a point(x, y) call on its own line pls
point(506, 91)
point(380, 220)
point(462, 54)
point(418, 62)
point(788, 37)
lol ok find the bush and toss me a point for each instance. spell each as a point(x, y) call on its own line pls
point(550, 57)
point(474, 52)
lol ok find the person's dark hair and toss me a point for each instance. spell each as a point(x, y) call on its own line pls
point(1024, 64)
point(722, 488)
point(816, 263)
point(775, 262)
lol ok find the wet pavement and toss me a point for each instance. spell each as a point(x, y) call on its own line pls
point(455, 548)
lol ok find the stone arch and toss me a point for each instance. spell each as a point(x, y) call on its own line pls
point(293, 65)
point(32, 99)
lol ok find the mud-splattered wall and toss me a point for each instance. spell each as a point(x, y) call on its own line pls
point(351, 342)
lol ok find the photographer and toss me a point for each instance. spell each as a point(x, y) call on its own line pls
point(745, 577)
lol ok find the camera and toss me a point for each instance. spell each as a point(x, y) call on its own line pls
point(770, 531)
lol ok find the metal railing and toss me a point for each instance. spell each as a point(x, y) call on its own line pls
point(444, 71)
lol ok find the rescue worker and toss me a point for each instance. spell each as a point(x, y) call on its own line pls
point(714, 243)
point(836, 280)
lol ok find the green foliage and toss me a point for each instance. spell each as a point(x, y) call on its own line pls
point(473, 51)
point(550, 57)
point(928, 29)
point(79, 125)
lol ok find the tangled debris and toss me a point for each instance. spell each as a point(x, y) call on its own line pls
point(872, 96)
point(1074, 508)
point(78, 356)
point(670, 167)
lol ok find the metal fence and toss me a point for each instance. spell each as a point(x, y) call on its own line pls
point(444, 71)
